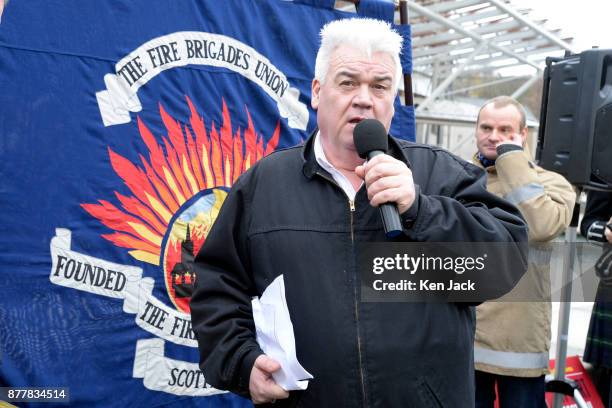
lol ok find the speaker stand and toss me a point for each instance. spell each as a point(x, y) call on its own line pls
point(560, 385)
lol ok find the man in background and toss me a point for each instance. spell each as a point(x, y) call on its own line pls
point(513, 338)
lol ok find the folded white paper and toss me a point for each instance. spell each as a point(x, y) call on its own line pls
point(275, 336)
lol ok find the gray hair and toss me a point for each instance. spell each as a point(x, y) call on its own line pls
point(363, 34)
point(502, 102)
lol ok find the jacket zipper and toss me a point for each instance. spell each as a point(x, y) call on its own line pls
point(352, 208)
point(363, 391)
point(359, 352)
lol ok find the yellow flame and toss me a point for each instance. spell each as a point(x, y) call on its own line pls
point(159, 208)
point(174, 187)
point(190, 177)
point(146, 233)
point(145, 256)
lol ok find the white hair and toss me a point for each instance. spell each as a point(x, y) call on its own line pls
point(363, 34)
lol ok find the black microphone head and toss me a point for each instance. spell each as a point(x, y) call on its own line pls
point(370, 135)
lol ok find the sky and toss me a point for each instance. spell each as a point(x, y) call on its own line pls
point(588, 21)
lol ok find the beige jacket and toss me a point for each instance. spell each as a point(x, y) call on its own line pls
point(513, 338)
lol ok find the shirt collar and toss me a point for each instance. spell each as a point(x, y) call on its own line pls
point(338, 177)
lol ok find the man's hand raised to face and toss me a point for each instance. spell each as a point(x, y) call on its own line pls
point(514, 139)
point(388, 180)
point(262, 386)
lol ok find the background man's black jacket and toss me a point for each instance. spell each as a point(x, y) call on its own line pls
point(598, 210)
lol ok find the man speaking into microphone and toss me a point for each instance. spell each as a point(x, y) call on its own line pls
point(301, 212)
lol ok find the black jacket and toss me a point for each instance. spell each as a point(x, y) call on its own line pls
point(596, 214)
point(287, 216)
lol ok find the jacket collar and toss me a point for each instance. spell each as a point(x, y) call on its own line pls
point(312, 167)
point(477, 162)
point(491, 169)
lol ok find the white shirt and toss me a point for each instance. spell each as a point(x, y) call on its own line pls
point(338, 177)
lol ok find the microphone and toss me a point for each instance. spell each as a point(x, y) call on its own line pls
point(370, 138)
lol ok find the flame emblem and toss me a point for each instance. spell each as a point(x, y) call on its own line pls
point(177, 192)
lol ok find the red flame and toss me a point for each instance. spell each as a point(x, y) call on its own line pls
point(189, 160)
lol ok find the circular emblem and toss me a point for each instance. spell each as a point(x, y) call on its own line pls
point(186, 234)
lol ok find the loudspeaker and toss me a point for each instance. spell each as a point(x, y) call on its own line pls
point(575, 134)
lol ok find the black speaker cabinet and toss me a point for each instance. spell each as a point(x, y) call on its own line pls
point(575, 134)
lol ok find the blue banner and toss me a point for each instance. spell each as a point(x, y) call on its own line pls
point(123, 123)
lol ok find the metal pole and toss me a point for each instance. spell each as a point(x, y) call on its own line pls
point(449, 79)
point(523, 88)
point(458, 28)
point(408, 95)
point(566, 297)
point(547, 34)
point(564, 312)
point(486, 84)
